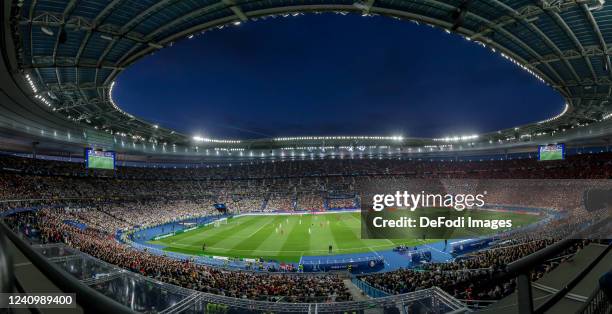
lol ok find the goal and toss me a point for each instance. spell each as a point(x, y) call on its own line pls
point(220, 222)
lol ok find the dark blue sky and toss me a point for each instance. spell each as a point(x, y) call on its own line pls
point(332, 75)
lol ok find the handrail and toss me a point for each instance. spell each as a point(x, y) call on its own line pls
point(268, 306)
point(572, 283)
point(369, 289)
point(597, 303)
point(528, 262)
point(89, 299)
point(521, 268)
point(6, 269)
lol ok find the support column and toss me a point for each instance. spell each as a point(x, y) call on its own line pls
point(525, 297)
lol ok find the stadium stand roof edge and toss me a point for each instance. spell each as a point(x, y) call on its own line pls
point(63, 58)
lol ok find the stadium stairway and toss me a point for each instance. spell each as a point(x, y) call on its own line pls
point(561, 276)
point(356, 293)
point(359, 295)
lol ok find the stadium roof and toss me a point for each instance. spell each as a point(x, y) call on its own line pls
point(68, 53)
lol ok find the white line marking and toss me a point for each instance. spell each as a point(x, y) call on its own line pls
point(433, 248)
point(252, 234)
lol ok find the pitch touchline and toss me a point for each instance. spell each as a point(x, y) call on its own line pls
point(277, 251)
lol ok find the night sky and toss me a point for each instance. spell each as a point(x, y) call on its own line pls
point(332, 75)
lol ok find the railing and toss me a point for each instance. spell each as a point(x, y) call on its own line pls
point(6, 270)
point(522, 267)
point(89, 299)
point(521, 270)
point(369, 290)
point(477, 304)
point(58, 263)
point(116, 282)
point(598, 303)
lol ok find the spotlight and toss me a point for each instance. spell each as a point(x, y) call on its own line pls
point(46, 31)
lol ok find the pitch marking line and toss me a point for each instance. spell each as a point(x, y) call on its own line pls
point(258, 229)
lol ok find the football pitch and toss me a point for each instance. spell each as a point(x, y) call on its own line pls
point(289, 237)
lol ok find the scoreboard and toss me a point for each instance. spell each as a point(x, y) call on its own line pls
point(96, 159)
point(551, 152)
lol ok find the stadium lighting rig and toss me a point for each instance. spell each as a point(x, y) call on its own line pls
point(557, 116)
point(210, 140)
point(525, 68)
point(43, 100)
point(110, 99)
point(32, 85)
point(365, 6)
point(493, 49)
point(306, 138)
point(39, 97)
point(461, 138)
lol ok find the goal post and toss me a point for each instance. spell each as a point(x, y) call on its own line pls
point(220, 222)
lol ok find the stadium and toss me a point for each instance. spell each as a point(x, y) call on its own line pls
point(104, 211)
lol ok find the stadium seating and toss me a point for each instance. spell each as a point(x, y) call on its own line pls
point(134, 197)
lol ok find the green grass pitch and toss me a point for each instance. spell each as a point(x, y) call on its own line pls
point(289, 237)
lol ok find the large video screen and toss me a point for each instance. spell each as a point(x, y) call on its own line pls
point(99, 159)
point(551, 152)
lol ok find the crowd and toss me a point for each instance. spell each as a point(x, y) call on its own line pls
point(130, 197)
point(470, 279)
point(19, 180)
point(310, 202)
point(476, 276)
point(124, 215)
point(242, 204)
point(249, 285)
point(148, 213)
point(280, 202)
point(593, 166)
point(341, 203)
